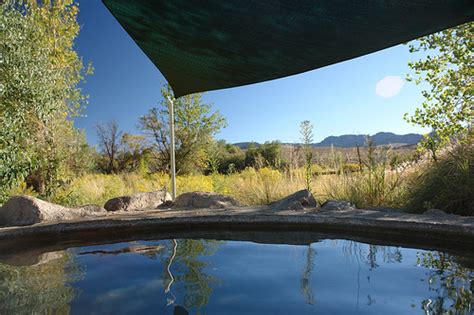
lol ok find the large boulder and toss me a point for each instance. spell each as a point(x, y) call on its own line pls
point(337, 205)
point(298, 201)
point(26, 210)
point(199, 199)
point(140, 201)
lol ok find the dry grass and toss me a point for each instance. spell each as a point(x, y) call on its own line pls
point(250, 187)
point(446, 185)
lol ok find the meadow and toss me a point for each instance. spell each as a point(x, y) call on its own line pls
point(339, 178)
point(251, 186)
point(386, 177)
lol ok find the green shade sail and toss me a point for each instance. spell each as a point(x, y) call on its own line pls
point(213, 44)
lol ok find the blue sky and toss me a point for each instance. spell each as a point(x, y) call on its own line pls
point(364, 95)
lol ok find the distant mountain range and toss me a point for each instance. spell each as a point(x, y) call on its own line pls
point(348, 141)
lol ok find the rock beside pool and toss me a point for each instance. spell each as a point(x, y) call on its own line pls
point(298, 201)
point(27, 210)
point(166, 205)
point(201, 200)
point(337, 205)
point(140, 201)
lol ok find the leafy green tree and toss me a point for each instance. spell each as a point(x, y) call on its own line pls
point(271, 153)
point(225, 158)
point(447, 67)
point(60, 155)
point(39, 90)
point(263, 155)
point(306, 131)
point(251, 155)
point(195, 126)
point(135, 154)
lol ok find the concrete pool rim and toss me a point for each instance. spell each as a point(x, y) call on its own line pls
point(444, 233)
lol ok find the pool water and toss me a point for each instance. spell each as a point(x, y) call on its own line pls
point(187, 276)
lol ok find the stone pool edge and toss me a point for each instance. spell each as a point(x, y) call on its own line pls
point(397, 228)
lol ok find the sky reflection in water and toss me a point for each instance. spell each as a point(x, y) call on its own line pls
point(217, 277)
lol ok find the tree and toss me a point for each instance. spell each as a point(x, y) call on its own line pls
point(135, 153)
point(109, 139)
point(195, 126)
point(262, 155)
point(271, 153)
point(306, 131)
point(448, 67)
point(224, 157)
point(61, 154)
point(39, 90)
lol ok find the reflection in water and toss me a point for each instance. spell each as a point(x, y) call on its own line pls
point(214, 277)
point(42, 288)
point(179, 310)
point(370, 254)
point(150, 251)
point(451, 283)
point(170, 275)
point(305, 282)
point(189, 269)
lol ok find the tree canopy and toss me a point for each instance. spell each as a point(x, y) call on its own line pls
point(39, 92)
point(195, 126)
point(447, 67)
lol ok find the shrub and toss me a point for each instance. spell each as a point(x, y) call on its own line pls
point(263, 186)
point(98, 188)
point(189, 183)
point(365, 190)
point(376, 185)
point(447, 184)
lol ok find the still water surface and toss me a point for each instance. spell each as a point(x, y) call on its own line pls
point(225, 277)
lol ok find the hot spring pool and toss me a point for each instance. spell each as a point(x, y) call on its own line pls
point(234, 277)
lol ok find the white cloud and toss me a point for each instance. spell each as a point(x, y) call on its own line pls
point(389, 86)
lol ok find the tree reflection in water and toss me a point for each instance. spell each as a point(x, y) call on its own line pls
point(451, 283)
point(305, 281)
point(185, 267)
point(42, 288)
point(447, 278)
point(371, 254)
point(46, 285)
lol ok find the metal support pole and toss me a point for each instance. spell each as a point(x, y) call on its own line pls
point(172, 149)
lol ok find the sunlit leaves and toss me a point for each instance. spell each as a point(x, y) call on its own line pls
point(448, 68)
point(40, 71)
point(195, 125)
